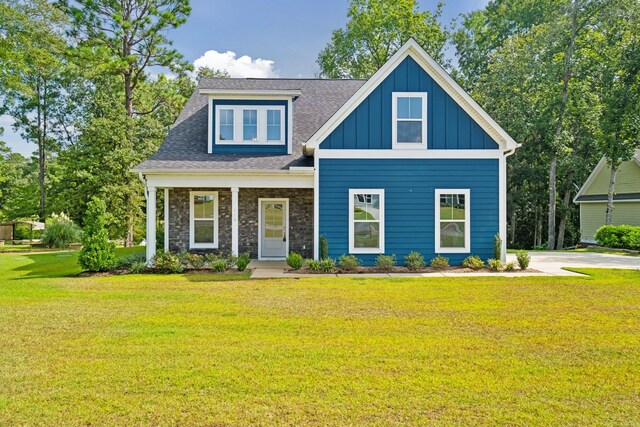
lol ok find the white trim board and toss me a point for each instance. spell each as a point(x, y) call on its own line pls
point(440, 76)
point(261, 125)
point(287, 180)
point(408, 154)
point(467, 221)
point(243, 93)
point(286, 203)
point(352, 249)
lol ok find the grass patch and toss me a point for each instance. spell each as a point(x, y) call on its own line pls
point(197, 350)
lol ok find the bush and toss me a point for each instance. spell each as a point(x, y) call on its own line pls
point(60, 232)
point(191, 260)
point(523, 258)
point(510, 266)
point(220, 265)
point(414, 261)
point(619, 236)
point(138, 267)
point(167, 262)
point(473, 262)
point(128, 261)
point(324, 248)
point(439, 262)
point(386, 262)
point(497, 246)
point(348, 262)
point(294, 260)
point(97, 253)
point(494, 264)
point(313, 265)
point(243, 261)
point(327, 265)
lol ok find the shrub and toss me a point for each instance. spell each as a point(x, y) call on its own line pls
point(191, 260)
point(138, 267)
point(324, 248)
point(128, 261)
point(523, 258)
point(294, 260)
point(348, 262)
point(97, 253)
point(414, 261)
point(167, 262)
point(328, 265)
point(243, 261)
point(473, 262)
point(619, 236)
point(313, 265)
point(510, 266)
point(634, 238)
point(439, 262)
point(494, 264)
point(497, 246)
point(220, 265)
point(386, 262)
point(60, 232)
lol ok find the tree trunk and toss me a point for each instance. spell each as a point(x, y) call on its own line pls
point(612, 187)
point(128, 95)
point(41, 149)
point(565, 211)
point(551, 244)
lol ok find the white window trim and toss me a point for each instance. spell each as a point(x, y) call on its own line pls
point(394, 124)
point(467, 222)
point(261, 120)
point(216, 203)
point(352, 248)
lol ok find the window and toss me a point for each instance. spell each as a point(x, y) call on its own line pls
point(203, 227)
point(452, 221)
point(273, 125)
point(366, 221)
point(226, 124)
point(250, 124)
point(409, 111)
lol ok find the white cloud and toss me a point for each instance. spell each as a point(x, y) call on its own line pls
point(236, 67)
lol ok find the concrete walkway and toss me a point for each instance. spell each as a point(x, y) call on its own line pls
point(546, 263)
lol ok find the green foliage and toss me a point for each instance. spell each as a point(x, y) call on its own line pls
point(439, 262)
point(294, 260)
point(97, 253)
point(349, 262)
point(130, 260)
point(60, 232)
point(327, 265)
point(386, 262)
point(192, 260)
point(494, 264)
point(497, 246)
point(473, 262)
point(243, 261)
point(414, 261)
point(167, 262)
point(619, 236)
point(324, 247)
point(220, 265)
point(510, 266)
point(376, 29)
point(138, 267)
point(523, 258)
point(313, 265)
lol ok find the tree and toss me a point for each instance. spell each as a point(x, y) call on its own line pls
point(97, 253)
point(125, 38)
point(31, 75)
point(375, 31)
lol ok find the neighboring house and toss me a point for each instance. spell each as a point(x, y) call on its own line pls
point(592, 197)
point(405, 161)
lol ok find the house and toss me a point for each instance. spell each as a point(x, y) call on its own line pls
point(404, 161)
point(592, 197)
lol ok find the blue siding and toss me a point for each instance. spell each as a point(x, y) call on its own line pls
point(448, 125)
point(409, 186)
point(244, 148)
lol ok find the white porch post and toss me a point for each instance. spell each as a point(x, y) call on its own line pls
point(151, 223)
point(234, 221)
point(166, 220)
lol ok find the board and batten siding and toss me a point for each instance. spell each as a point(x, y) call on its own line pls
point(248, 148)
point(409, 186)
point(592, 217)
point(627, 180)
point(448, 125)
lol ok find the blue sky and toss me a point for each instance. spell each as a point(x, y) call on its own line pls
point(285, 34)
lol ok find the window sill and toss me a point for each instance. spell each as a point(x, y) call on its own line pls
point(452, 250)
point(203, 246)
point(408, 145)
point(250, 143)
point(366, 251)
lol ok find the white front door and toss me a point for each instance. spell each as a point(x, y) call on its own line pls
point(274, 225)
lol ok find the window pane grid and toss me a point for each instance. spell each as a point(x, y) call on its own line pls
point(453, 220)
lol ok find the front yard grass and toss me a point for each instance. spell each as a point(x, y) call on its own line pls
point(200, 350)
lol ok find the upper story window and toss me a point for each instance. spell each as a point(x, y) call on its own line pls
point(244, 124)
point(409, 110)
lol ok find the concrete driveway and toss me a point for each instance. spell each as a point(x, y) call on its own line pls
point(552, 262)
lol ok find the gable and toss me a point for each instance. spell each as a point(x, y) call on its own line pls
point(627, 179)
point(369, 126)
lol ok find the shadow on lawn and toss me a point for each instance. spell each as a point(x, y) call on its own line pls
point(49, 265)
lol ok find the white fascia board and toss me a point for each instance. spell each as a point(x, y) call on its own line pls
point(290, 93)
point(604, 201)
point(230, 180)
point(409, 154)
point(431, 67)
point(592, 176)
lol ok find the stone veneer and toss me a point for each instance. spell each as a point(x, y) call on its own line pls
point(300, 230)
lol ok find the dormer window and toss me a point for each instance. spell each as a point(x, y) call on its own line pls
point(249, 125)
point(409, 111)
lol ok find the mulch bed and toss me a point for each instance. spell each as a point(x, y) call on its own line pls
point(376, 270)
point(123, 271)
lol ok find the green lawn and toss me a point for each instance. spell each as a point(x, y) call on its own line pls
point(195, 350)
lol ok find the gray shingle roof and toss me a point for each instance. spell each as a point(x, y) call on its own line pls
point(185, 147)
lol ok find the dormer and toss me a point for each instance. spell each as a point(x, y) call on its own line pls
point(250, 121)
